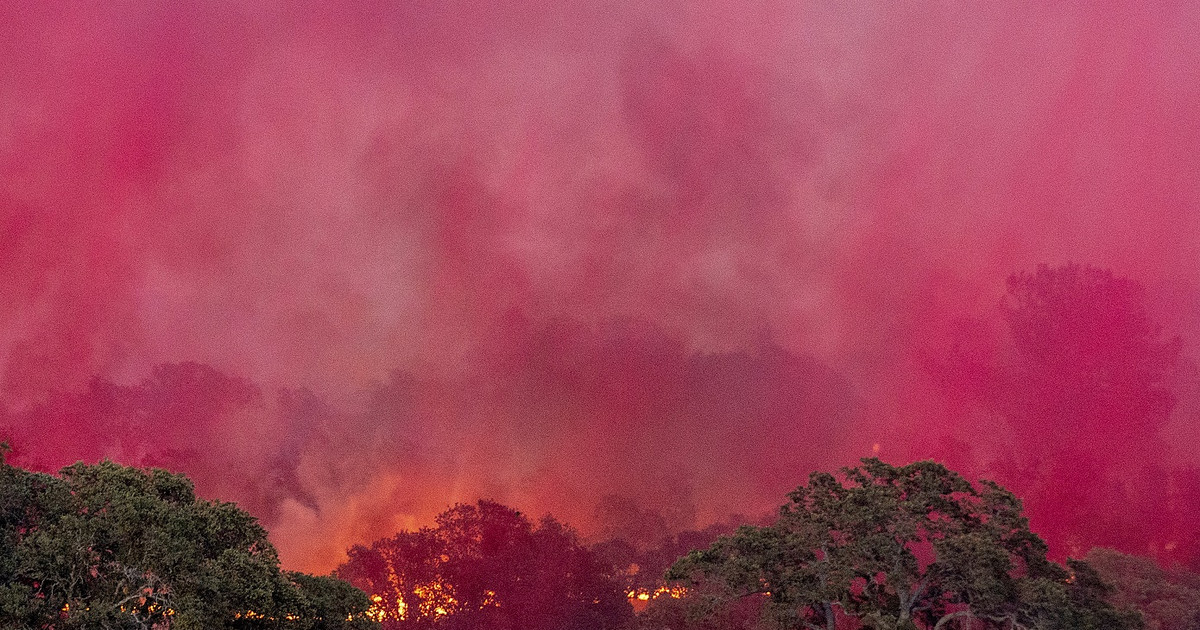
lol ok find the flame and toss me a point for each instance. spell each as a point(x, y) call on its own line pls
point(152, 609)
point(436, 600)
point(645, 594)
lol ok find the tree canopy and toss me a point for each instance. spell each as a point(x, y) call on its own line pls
point(487, 566)
point(110, 546)
point(1168, 598)
point(1087, 348)
point(907, 547)
point(1069, 400)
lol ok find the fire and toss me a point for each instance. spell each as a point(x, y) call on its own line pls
point(250, 614)
point(640, 597)
point(437, 599)
point(376, 612)
point(434, 600)
point(645, 594)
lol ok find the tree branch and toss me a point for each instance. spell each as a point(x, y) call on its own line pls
point(952, 616)
point(917, 591)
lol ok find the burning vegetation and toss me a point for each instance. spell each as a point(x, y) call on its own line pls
point(915, 547)
point(640, 265)
point(483, 566)
point(1070, 344)
point(546, 252)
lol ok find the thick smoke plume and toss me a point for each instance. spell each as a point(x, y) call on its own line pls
point(349, 262)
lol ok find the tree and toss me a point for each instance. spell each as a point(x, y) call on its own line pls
point(110, 546)
point(486, 566)
point(1168, 598)
point(1087, 349)
point(907, 547)
point(323, 602)
point(1090, 386)
point(1085, 380)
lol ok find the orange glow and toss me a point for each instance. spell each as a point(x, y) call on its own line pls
point(435, 600)
point(375, 612)
point(646, 594)
point(640, 597)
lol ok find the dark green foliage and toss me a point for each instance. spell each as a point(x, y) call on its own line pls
point(898, 548)
point(109, 546)
point(707, 606)
point(640, 567)
point(326, 603)
point(1168, 598)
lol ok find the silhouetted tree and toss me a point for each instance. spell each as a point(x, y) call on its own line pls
point(1090, 385)
point(896, 548)
point(640, 568)
point(1087, 349)
point(486, 566)
point(170, 418)
point(1085, 381)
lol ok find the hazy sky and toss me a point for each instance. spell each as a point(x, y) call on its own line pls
point(545, 252)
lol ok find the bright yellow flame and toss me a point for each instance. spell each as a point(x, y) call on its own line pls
point(435, 600)
point(377, 613)
point(645, 594)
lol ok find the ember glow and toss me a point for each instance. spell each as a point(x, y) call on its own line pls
point(433, 600)
point(646, 594)
point(639, 598)
point(348, 263)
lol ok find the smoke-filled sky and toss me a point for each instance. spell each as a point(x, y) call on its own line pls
point(349, 262)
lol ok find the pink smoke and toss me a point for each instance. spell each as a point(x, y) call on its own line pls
point(387, 256)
